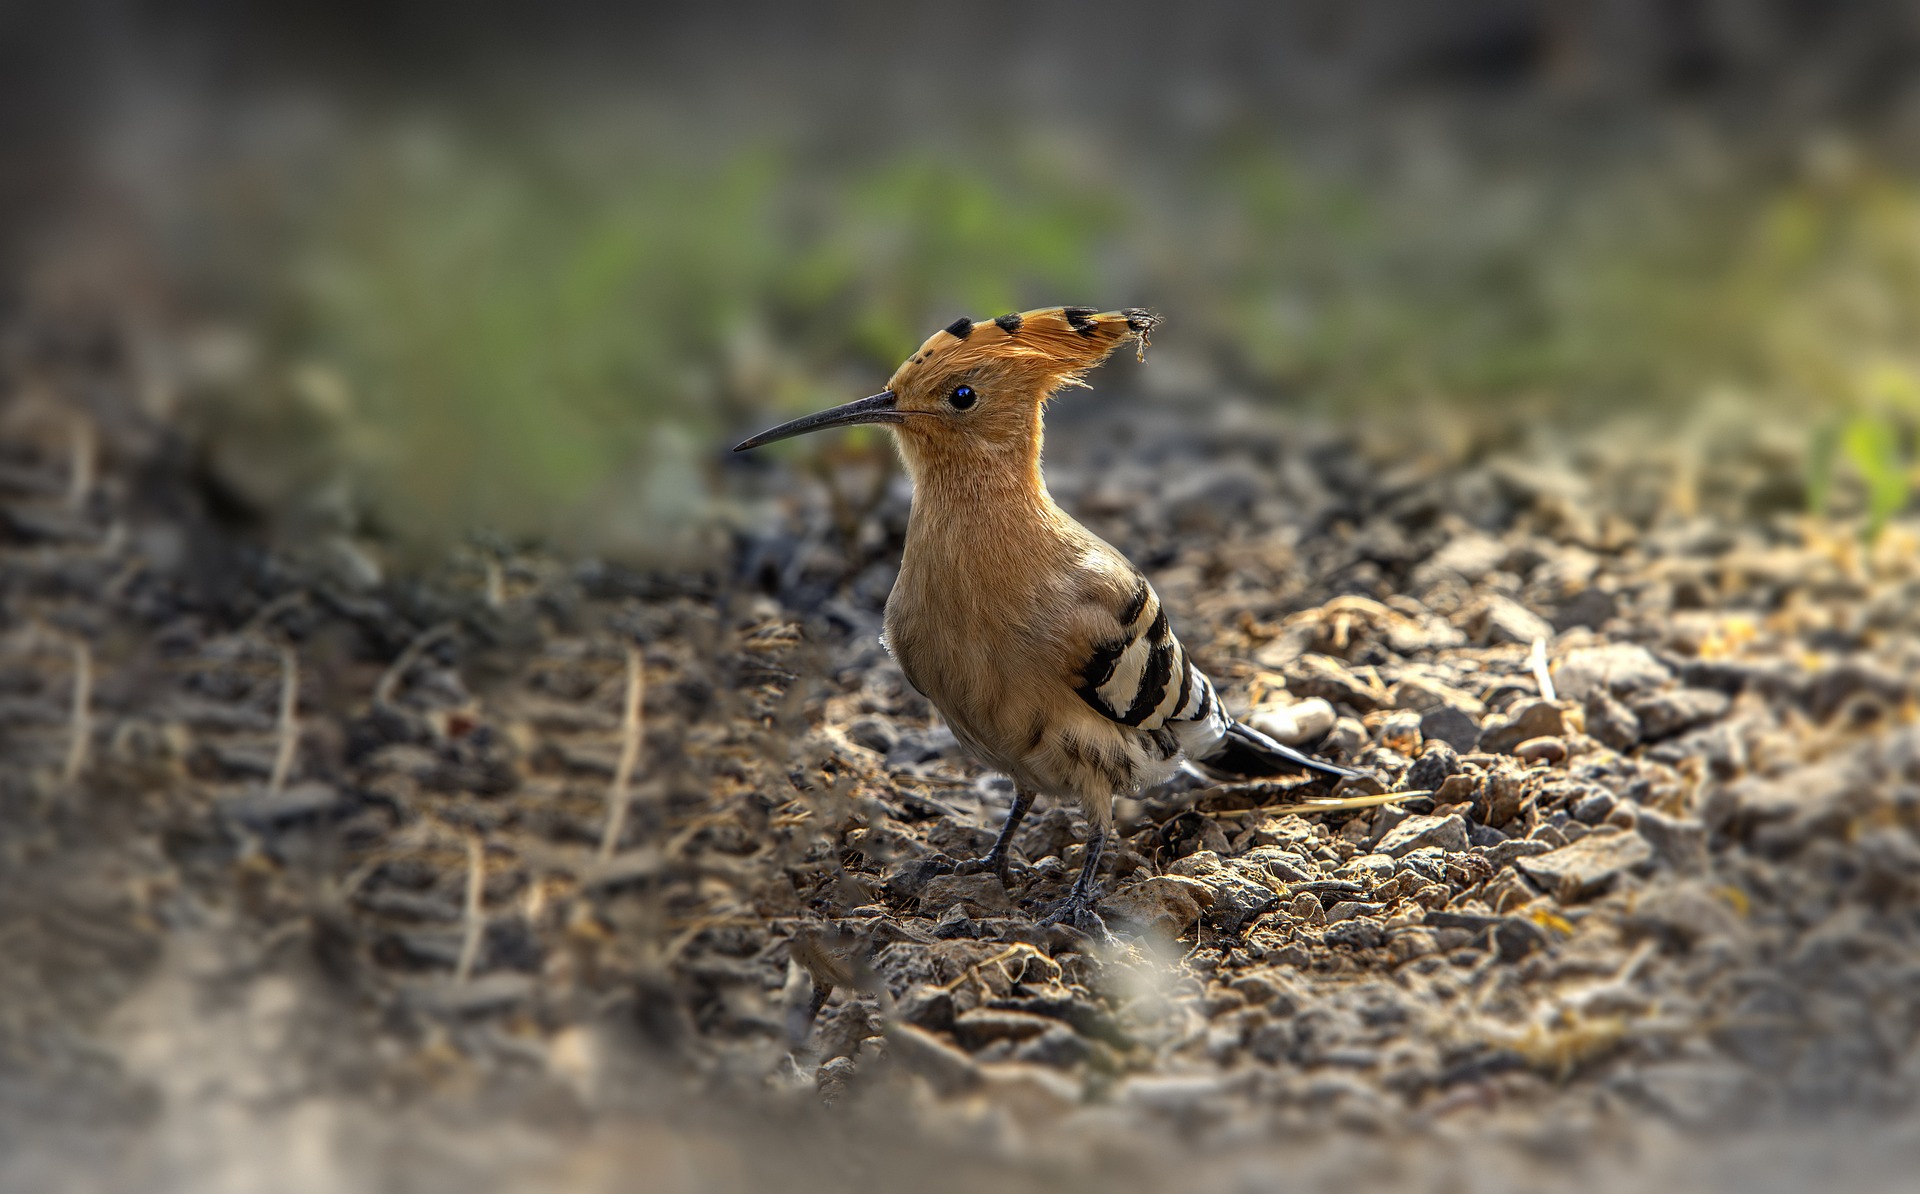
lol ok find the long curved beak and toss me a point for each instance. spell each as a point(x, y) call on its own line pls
point(881, 408)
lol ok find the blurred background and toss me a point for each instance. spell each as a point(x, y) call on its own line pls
point(325, 297)
point(406, 271)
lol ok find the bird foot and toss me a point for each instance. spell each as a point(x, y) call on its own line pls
point(1076, 911)
point(996, 861)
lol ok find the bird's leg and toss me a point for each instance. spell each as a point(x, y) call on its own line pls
point(996, 859)
point(1079, 901)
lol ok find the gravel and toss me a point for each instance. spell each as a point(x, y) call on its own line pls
point(1680, 891)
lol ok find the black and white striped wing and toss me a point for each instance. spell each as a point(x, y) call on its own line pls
point(1140, 676)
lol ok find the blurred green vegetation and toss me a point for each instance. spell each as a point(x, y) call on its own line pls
point(512, 332)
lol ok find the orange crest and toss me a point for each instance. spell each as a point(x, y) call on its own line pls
point(1040, 350)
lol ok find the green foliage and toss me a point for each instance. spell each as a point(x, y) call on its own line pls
point(517, 329)
point(560, 328)
point(1869, 441)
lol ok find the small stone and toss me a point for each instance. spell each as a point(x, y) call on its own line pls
point(1504, 620)
point(1451, 725)
point(1697, 1094)
point(1587, 866)
point(1330, 680)
point(875, 733)
point(1164, 905)
point(1176, 1094)
point(1059, 1046)
point(1516, 936)
point(831, 1080)
point(1611, 722)
point(1588, 607)
point(1834, 686)
point(949, 1070)
point(1348, 909)
point(1348, 739)
point(1549, 750)
point(1299, 724)
point(1378, 867)
point(1400, 731)
point(1665, 714)
point(1236, 897)
point(1621, 669)
point(1594, 807)
point(1483, 835)
point(1436, 764)
point(1457, 789)
point(1423, 695)
point(1418, 832)
point(1358, 933)
point(1501, 796)
point(977, 1029)
point(1524, 720)
point(1678, 842)
point(263, 809)
point(928, 1006)
point(1503, 853)
point(1306, 906)
point(975, 895)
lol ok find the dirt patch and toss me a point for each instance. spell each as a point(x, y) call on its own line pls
point(528, 849)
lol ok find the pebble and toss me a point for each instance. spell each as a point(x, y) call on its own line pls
point(1586, 867)
point(1620, 669)
point(975, 895)
point(1665, 714)
point(947, 1069)
point(1235, 897)
point(1348, 909)
point(1524, 720)
point(1421, 831)
point(976, 1029)
point(1377, 867)
point(1437, 763)
point(1678, 842)
point(1593, 808)
point(1610, 721)
point(1504, 620)
point(1423, 695)
point(1300, 724)
point(1164, 906)
point(1330, 680)
point(1451, 725)
point(1358, 933)
point(1548, 750)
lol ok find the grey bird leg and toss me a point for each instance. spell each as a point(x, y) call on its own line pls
point(1079, 901)
point(997, 859)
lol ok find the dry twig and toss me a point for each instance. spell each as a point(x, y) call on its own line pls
point(617, 794)
point(475, 920)
point(81, 740)
point(1538, 661)
point(288, 727)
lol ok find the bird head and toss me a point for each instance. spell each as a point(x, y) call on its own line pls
point(974, 391)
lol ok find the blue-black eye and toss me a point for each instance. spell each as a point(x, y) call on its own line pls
point(962, 397)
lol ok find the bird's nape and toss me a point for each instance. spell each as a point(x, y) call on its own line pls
point(879, 408)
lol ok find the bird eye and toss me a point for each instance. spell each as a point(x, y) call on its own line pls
point(962, 397)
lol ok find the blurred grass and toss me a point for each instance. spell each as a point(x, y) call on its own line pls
point(554, 332)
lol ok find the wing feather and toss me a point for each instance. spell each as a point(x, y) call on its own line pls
point(1138, 675)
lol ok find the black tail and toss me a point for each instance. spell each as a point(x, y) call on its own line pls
point(1246, 753)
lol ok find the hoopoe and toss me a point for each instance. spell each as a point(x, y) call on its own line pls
point(1047, 652)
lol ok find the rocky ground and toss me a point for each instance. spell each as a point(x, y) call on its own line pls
point(539, 870)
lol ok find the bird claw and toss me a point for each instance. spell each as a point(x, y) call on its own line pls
point(1076, 911)
point(998, 864)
